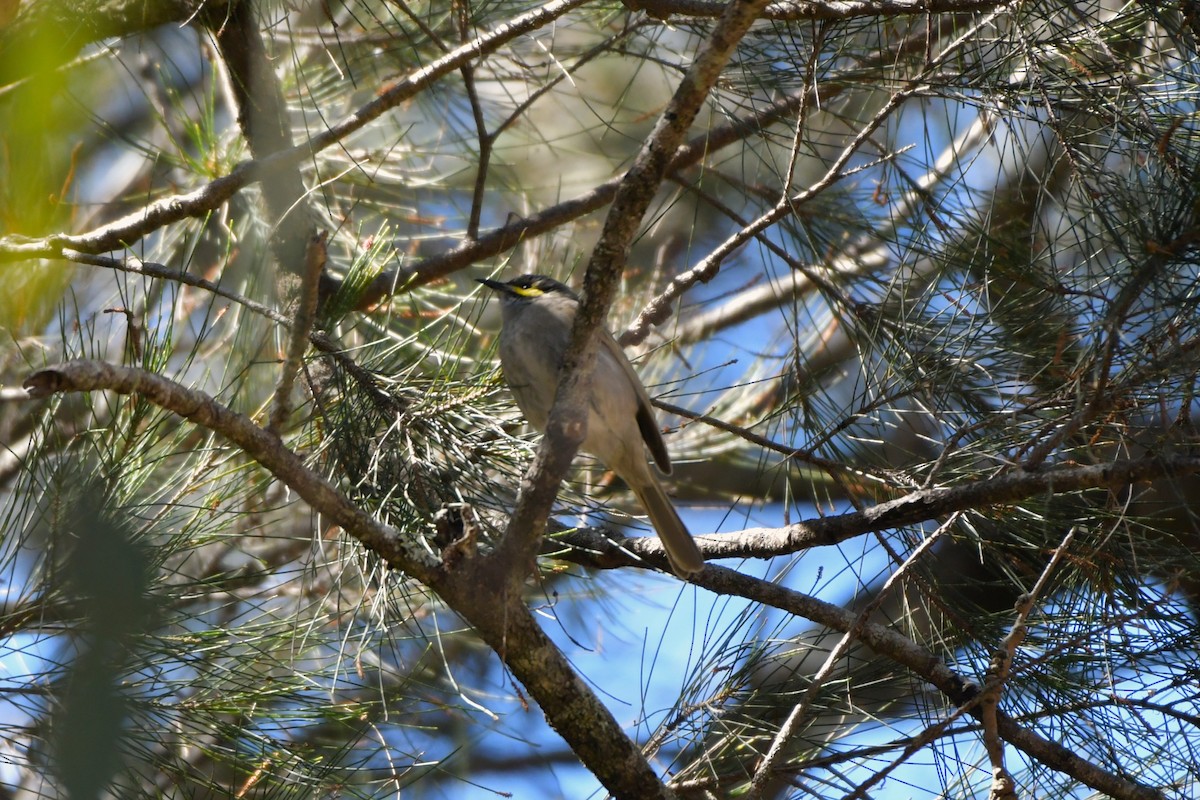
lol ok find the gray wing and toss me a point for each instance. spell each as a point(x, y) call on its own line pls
point(647, 424)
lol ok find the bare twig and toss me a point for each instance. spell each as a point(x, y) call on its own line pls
point(1003, 786)
point(136, 266)
point(467, 70)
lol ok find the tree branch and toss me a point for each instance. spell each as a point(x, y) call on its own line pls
point(470, 588)
point(605, 550)
point(129, 229)
point(262, 117)
point(795, 10)
point(571, 708)
point(400, 551)
point(959, 690)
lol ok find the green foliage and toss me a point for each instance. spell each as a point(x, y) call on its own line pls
point(975, 258)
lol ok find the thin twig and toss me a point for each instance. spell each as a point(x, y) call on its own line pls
point(124, 232)
point(798, 454)
point(1003, 786)
point(660, 308)
point(135, 266)
point(766, 768)
point(797, 10)
point(467, 70)
point(902, 650)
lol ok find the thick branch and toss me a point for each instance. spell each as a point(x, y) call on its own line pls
point(399, 551)
point(604, 550)
point(470, 588)
point(571, 708)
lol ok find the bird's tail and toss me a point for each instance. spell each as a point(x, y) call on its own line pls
point(685, 557)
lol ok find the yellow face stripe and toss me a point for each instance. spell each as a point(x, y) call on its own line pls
point(527, 291)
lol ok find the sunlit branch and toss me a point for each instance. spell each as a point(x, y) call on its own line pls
point(605, 550)
point(795, 10)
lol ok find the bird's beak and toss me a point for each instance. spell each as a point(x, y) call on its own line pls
point(496, 286)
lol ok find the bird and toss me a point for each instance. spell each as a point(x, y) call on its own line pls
point(537, 315)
